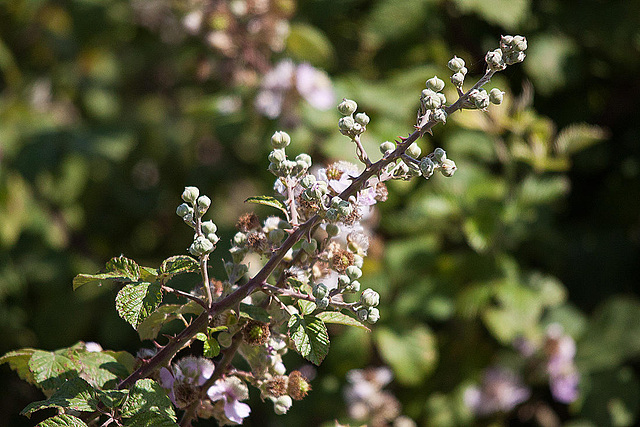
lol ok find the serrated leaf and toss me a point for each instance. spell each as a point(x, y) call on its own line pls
point(254, 313)
point(306, 307)
point(295, 283)
point(148, 274)
point(178, 264)
point(127, 360)
point(148, 406)
point(210, 348)
point(99, 368)
point(75, 394)
point(118, 268)
point(268, 201)
point(51, 370)
point(151, 326)
point(18, 360)
point(62, 420)
point(112, 398)
point(412, 353)
point(310, 337)
point(341, 319)
point(136, 301)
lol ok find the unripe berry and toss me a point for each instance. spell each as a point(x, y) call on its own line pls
point(333, 230)
point(320, 290)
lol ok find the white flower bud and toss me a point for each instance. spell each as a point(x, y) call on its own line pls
point(519, 43)
point(448, 167)
point(430, 99)
point(494, 60)
point(353, 286)
point(277, 156)
point(440, 115)
point(200, 246)
point(358, 261)
point(343, 281)
point(280, 139)
point(346, 124)
point(183, 210)
point(347, 107)
point(455, 64)
point(282, 404)
point(387, 146)
point(308, 180)
point(457, 79)
point(239, 239)
point(496, 96)
point(190, 194)
point(414, 150)
point(209, 227)
point(203, 203)
point(374, 315)
point(304, 157)
point(369, 298)
point(435, 84)
point(362, 119)
point(427, 167)
point(353, 272)
point(213, 238)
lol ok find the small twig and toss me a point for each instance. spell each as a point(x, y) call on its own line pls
point(186, 295)
point(360, 151)
point(299, 295)
point(292, 202)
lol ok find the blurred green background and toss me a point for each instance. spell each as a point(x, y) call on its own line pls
point(109, 108)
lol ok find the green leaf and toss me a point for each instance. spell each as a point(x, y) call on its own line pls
point(411, 354)
point(268, 201)
point(306, 307)
point(310, 337)
point(51, 370)
point(256, 313)
point(505, 13)
point(74, 394)
point(178, 264)
point(119, 268)
point(611, 397)
point(306, 43)
point(136, 301)
point(341, 319)
point(100, 369)
point(148, 406)
point(112, 398)
point(148, 274)
point(579, 136)
point(150, 327)
point(211, 348)
point(18, 360)
point(62, 420)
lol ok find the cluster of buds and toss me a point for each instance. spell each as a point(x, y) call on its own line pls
point(191, 211)
point(457, 65)
point(279, 165)
point(367, 311)
point(437, 161)
point(352, 125)
point(511, 51)
point(432, 102)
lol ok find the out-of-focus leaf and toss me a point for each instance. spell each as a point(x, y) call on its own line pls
point(75, 394)
point(148, 405)
point(551, 292)
point(613, 335)
point(310, 337)
point(579, 136)
point(308, 44)
point(382, 22)
point(549, 62)
point(611, 398)
point(536, 191)
point(136, 301)
point(412, 353)
point(505, 13)
point(573, 321)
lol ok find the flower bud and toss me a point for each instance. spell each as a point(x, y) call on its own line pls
point(369, 298)
point(333, 230)
point(332, 215)
point(514, 57)
point(448, 167)
point(320, 290)
point(308, 180)
point(435, 84)
point(480, 98)
point(344, 209)
point(414, 150)
point(353, 287)
point(494, 60)
point(387, 146)
point(209, 227)
point(519, 43)
point(310, 246)
point(322, 303)
point(440, 115)
point(280, 139)
point(457, 79)
point(363, 314)
point(373, 315)
point(183, 210)
point(304, 157)
point(430, 99)
point(282, 404)
point(343, 281)
point(362, 119)
point(455, 64)
point(353, 272)
point(346, 124)
point(439, 155)
point(496, 96)
point(277, 156)
point(347, 107)
point(201, 246)
point(276, 235)
point(190, 194)
point(288, 166)
point(358, 261)
point(239, 239)
point(203, 203)
point(213, 238)
point(427, 167)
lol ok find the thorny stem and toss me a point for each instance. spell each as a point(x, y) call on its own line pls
point(299, 295)
point(177, 343)
point(220, 369)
